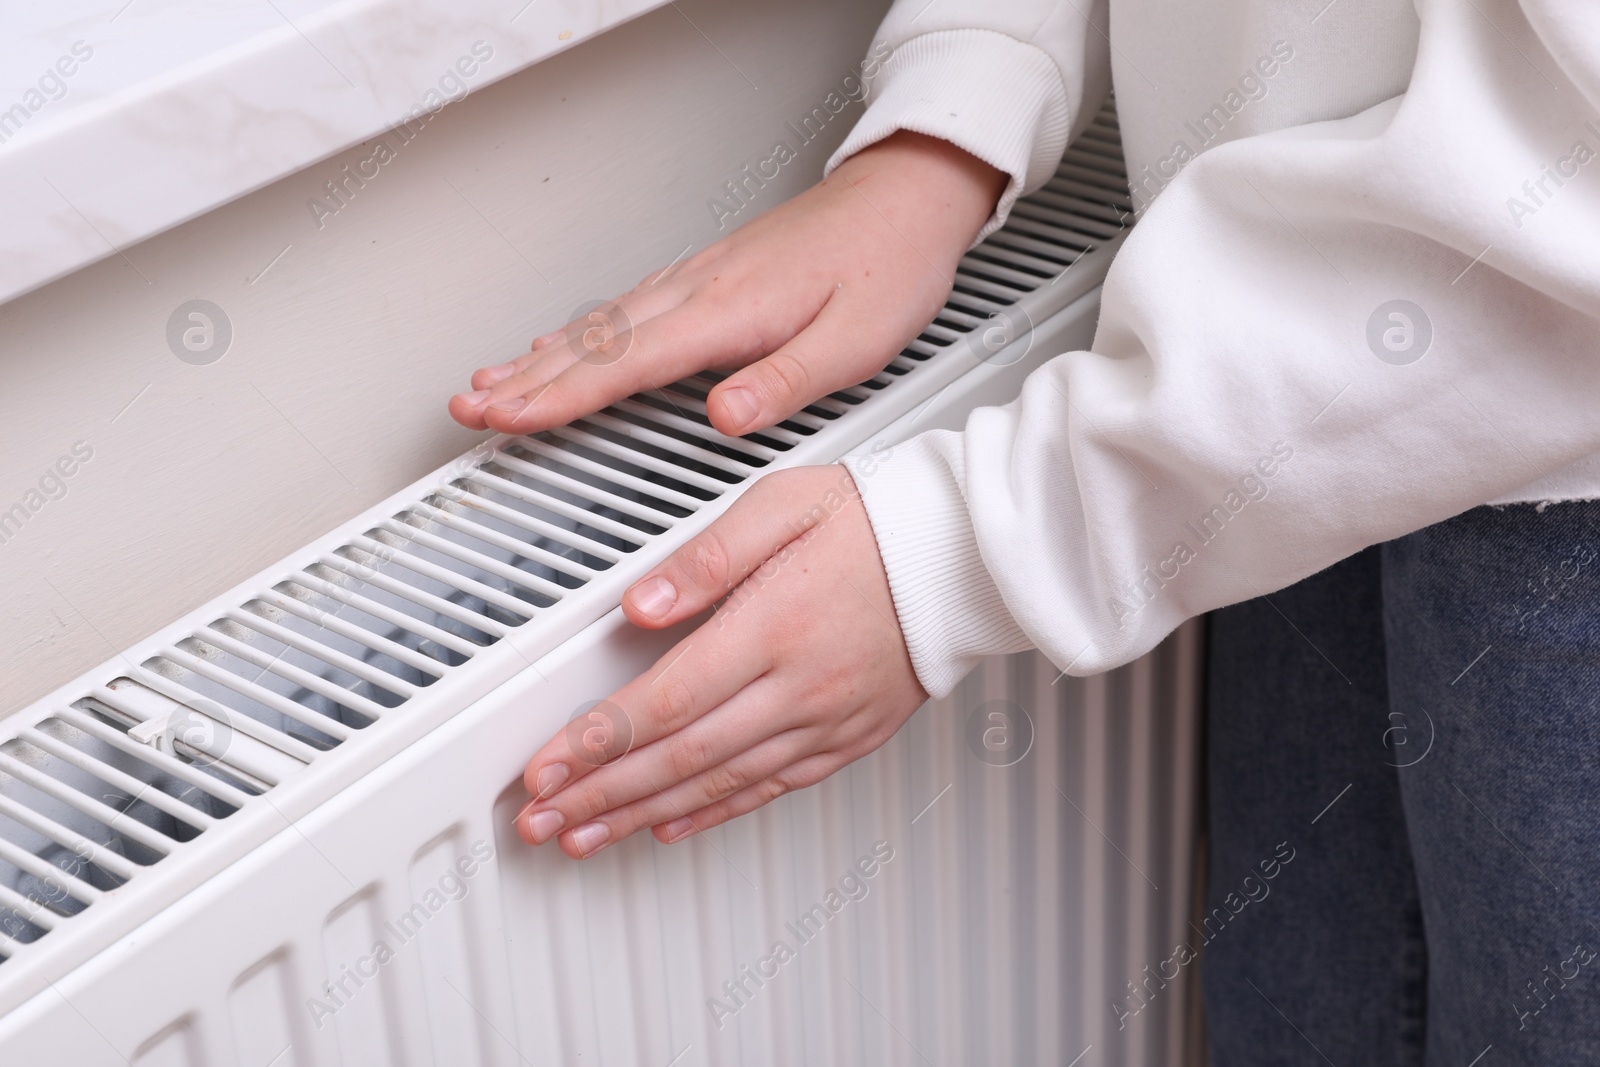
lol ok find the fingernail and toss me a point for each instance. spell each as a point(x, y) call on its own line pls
point(654, 597)
point(549, 338)
point(542, 825)
point(552, 776)
point(591, 838)
point(678, 829)
point(741, 405)
point(510, 407)
point(475, 398)
point(500, 373)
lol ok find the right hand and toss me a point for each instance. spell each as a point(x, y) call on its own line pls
point(803, 673)
point(817, 294)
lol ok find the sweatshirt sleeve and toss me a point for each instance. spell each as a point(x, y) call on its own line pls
point(1314, 340)
point(1009, 82)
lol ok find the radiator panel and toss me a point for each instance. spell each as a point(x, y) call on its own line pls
point(1014, 907)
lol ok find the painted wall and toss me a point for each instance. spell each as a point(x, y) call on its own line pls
point(560, 185)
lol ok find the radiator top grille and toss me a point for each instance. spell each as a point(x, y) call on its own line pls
point(101, 788)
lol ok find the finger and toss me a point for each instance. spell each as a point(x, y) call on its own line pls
point(485, 378)
point(611, 360)
point(757, 765)
point(799, 775)
point(522, 378)
point(468, 408)
point(698, 674)
point(741, 724)
point(668, 800)
point(642, 303)
point(847, 343)
point(750, 538)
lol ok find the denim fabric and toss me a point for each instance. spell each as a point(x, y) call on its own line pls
point(1420, 725)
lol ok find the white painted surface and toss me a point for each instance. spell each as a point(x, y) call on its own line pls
point(121, 118)
point(562, 184)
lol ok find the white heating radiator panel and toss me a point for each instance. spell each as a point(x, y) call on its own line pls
point(278, 832)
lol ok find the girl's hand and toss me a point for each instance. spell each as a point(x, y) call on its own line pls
point(800, 671)
point(817, 294)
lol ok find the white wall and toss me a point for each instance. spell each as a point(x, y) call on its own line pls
point(593, 167)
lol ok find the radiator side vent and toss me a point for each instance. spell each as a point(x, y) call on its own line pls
point(97, 790)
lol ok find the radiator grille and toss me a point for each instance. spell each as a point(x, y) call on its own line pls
point(98, 789)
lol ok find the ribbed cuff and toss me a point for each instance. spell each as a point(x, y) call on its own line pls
point(950, 610)
point(985, 92)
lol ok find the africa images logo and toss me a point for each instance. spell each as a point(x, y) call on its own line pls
point(1399, 332)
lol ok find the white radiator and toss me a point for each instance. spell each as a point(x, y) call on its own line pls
point(279, 832)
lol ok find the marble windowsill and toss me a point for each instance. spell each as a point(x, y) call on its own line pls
point(120, 119)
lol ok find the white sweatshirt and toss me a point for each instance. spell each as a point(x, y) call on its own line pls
point(1252, 409)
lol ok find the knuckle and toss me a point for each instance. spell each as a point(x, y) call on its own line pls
point(687, 756)
point(590, 799)
point(674, 703)
point(771, 790)
point(723, 781)
point(782, 374)
point(704, 561)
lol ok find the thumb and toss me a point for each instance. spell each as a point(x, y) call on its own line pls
point(776, 511)
point(840, 348)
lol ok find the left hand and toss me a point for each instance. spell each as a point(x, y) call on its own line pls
point(802, 670)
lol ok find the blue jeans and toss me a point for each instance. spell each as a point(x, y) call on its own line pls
point(1419, 726)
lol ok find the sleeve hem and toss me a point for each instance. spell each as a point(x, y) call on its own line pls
point(985, 92)
point(951, 612)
